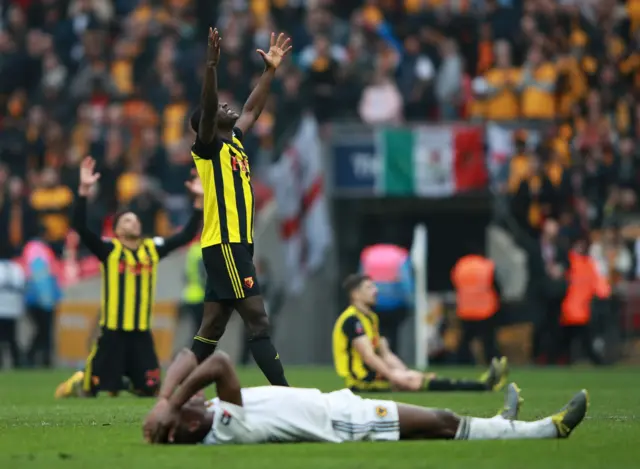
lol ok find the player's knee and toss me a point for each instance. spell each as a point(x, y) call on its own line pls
point(258, 327)
point(448, 423)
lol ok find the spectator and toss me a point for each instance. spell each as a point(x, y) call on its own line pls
point(381, 102)
point(51, 202)
point(500, 101)
point(12, 288)
point(537, 86)
point(448, 85)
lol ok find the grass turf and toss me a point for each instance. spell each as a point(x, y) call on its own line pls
point(38, 431)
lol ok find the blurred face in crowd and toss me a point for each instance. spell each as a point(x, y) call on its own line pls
point(366, 293)
point(503, 54)
point(550, 229)
point(322, 46)
point(128, 226)
point(535, 56)
point(49, 178)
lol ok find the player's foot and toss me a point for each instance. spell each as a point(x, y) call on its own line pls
point(512, 402)
point(71, 387)
point(496, 376)
point(570, 416)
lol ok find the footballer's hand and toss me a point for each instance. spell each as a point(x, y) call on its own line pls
point(278, 48)
point(160, 422)
point(213, 50)
point(88, 176)
point(194, 186)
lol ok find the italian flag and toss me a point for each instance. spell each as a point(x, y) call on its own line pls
point(431, 161)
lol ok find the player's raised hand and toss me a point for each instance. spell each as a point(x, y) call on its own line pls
point(213, 51)
point(278, 48)
point(194, 185)
point(88, 176)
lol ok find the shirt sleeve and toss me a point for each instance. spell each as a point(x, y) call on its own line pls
point(237, 133)
point(94, 243)
point(206, 151)
point(352, 328)
point(182, 238)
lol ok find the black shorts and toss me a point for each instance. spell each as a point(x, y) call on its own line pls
point(117, 354)
point(231, 274)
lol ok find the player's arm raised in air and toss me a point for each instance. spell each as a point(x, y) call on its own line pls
point(88, 178)
point(209, 97)
point(217, 369)
point(278, 48)
point(189, 231)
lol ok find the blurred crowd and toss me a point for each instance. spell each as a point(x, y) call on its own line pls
point(116, 79)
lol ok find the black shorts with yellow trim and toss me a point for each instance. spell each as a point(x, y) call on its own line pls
point(231, 274)
point(370, 383)
point(118, 354)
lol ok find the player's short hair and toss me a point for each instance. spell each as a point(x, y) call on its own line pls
point(195, 119)
point(353, 281)
point(119, 214)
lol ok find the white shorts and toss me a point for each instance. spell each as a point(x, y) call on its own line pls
point(356, 419)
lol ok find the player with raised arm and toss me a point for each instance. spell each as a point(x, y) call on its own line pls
point(286, 414)
point(124, 348)
point(229, 214)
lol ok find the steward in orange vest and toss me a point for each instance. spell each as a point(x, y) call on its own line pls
point(477, 301)
point(584, 283)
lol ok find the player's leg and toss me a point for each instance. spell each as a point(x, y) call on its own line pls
point(422, 423)
point(103, 369)
point(493, 379)
point(143, 368)
point(250, 306)
point(217, 308)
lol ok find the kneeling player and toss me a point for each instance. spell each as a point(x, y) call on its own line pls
point(282, 414)
point(366, 363)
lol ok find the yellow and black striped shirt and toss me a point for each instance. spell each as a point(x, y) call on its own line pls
point(350, 325)
point(129, 275)
point(229, 204)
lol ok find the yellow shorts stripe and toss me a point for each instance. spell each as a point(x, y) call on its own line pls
point(199, 338)
point(88, 371)
point(233, 271)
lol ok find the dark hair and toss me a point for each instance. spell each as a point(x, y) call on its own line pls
point(116, 218)
point(195, 119)
point(353, 281)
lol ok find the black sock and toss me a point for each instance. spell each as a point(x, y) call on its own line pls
point(202, 348)
point(265, 355)
point(447, 384)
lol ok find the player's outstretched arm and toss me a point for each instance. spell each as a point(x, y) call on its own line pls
point(209, 97)
point(88, 178)
point(278, 48)
point(190, 230)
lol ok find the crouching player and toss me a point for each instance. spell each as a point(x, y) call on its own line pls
point(364, 360)
point(285, 414)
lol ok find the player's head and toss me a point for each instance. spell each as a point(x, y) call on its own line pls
point(194, 423)
point(126, 224)
point(361, 289)
point(225, 119)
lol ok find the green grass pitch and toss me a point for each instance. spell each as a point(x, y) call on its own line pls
point(40, 432)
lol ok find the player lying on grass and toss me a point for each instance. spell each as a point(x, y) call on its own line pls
point(283, 414)
point(364, 360)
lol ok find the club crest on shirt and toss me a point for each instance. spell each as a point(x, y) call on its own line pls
point(381, 411)
point(248, 282)
point(226, 418)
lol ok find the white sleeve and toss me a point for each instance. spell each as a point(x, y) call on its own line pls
point(230, 424)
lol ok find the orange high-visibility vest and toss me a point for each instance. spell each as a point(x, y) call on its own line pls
point(585, 282)
point(473, 278)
